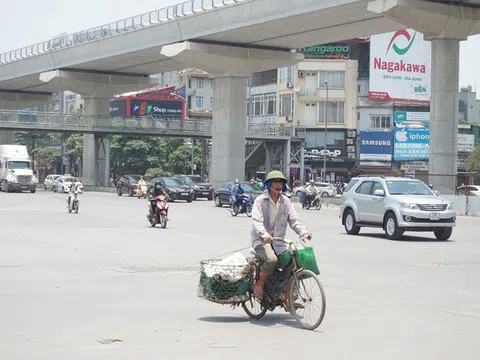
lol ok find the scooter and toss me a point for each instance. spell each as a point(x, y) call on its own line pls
point(160, 204)
point(73, 203)
point(142, 191)
point(246, 206)
point(312, 201)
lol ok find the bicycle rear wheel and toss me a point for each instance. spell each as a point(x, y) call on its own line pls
point(307, 300)
point(254, 308)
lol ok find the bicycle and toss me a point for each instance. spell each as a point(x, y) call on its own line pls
point(290, 275)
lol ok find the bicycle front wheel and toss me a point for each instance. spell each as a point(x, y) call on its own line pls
point(307, 299)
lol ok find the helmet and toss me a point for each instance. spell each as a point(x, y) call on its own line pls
point(275, 174)
point(158, 185)
point(311, 182)
point(237, 181)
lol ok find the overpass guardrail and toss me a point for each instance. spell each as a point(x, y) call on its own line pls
point(175, 127)
point(151, 18)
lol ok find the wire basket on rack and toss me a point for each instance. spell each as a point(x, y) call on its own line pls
point(224, 283)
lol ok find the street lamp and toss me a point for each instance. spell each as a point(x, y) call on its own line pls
point(325, 145)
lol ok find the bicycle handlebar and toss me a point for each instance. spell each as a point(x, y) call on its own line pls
point(286, 241)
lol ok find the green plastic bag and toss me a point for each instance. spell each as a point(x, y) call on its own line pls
point(306, 259)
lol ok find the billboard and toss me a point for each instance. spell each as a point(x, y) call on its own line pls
point(118, 108)
point(327, 51)
point(466, 142)
point(412, 119)
point(156, 108)
point(333, 154)
point(411, 144)
point(376, 145)
point(400, 66)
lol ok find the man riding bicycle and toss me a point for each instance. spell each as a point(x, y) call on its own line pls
point(271, 214)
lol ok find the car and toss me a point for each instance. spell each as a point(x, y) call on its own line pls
point(223, 193)
point(397, 205)
point(63, 183)
point(127, 184)
point(49, 180)
point(175, 189)
point(201, 188)
point(324, 189)
point(472, 190)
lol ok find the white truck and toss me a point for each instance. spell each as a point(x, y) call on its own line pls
point(16, 172)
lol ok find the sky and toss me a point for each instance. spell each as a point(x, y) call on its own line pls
point(49, 18)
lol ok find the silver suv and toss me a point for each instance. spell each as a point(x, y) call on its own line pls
point(396, 205)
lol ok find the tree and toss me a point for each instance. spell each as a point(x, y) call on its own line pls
point(133, 154)
point(46, 157)
point(473, 160)
point(156, 172)
point(180, 160)
point(74, 144)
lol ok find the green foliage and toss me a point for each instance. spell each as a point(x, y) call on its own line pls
point(74, 146)
point(156, 172)
point(180, 160)
point(133, 154)
point(33, 139)
point(45, 157)
point(473, 160)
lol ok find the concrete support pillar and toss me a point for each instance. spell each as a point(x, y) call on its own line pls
point(96, 163)
point(6, 137)
point(228, 129)
point(443, 107)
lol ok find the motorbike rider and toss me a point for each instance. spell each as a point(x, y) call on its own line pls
point(141, 182)
point(272, 212)
point(237, 193)
point(72, 190)
point(312, 191)
point(155, 191)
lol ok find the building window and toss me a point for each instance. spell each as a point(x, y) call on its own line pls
point(200, 83)
point(287, 102)
point(286, 74)
point(199, 102)
point(257, 105)
point(316, 139)
point(380, 122)
point(211, 84)
point(270, 104)
point(248, 107)
point(335, 112)
point(211, 102)
point(335, 79)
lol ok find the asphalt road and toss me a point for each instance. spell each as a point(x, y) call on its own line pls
point(104, 285)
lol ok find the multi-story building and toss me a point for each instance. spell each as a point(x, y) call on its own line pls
point(469, 106)
point(320, 94)
point(198, 88)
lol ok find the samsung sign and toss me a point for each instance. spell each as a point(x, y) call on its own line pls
point(376, 145)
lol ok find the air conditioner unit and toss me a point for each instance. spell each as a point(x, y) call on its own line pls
point(289, 118)
point(290, 85)
point(301, 74)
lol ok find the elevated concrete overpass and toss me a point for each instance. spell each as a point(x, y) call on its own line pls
point(231, 39)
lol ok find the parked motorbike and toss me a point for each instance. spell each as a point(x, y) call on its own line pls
point(142, 191)
point(159, 215)
point(73, 203)
point(245, 207)
point(312, 201)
